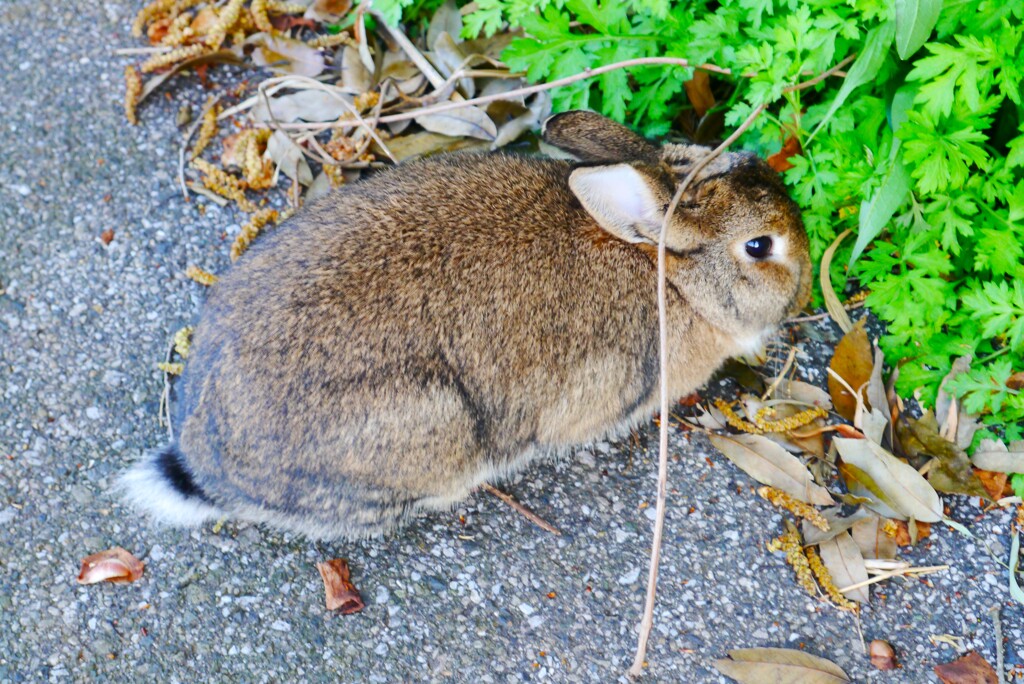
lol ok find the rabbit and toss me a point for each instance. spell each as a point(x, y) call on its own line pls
point(443, 323)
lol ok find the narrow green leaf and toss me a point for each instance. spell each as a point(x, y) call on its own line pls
point(864, 68)
point(876, 212)
point(915, 20)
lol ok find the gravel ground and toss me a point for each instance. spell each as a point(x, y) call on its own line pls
point(476, 595)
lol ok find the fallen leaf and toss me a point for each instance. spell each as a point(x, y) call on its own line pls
point(113, 565)
point(283, 55)
point(871, 538)
point(107, 236)
point(943, 399)
point(993, 455)
point(875, 391)
point(779, 666)
point(799, 390)
point(882, 655)
point(845, 563)
point(780, 160)
point(447, 19)
point(828, 292)
point(907, 536)
point(465, 121)
point(912, 495)
point(511, 129)
point(311, 105)
point(424, 144)
point(770, 464)
point(853, 362)
point(698, 91)
point(1016, 381)
point(327, 11)
point(864, 490)
point(354, 73)
point(339, 593)
point(837, 523)
point(288, 156)
point(873, 424)
point(969, 669)
point(996, 484)
point(952, 472)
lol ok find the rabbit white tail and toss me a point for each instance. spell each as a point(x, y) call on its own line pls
point(160, 485)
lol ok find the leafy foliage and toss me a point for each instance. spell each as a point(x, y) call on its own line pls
point(919, 149)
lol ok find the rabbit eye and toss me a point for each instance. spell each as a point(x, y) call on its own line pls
point(759, 247)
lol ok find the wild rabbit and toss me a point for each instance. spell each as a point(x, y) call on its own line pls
point(443, 323)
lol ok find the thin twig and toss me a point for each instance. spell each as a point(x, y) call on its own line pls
point(834, 71)
point(521, 509)
point(129, 52)
point(659, 517)
point(925, 570)
point(782, 374)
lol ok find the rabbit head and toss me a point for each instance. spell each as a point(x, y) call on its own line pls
point(736, 246)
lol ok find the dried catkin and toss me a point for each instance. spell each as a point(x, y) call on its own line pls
point(250, 230)
point(734, 420)
point(200, 276)
point(826, 582)
point(792, 545)
point(173, 57)
point(777, 497)
point(133, 88)
point(207, 130)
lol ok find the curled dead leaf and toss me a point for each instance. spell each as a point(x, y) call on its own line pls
point(113, 565)
point(780, 666)
point(909, 536)
point(992, 454)
point(284, 55)
point(882, 655)
point(871, 538)
point(969, 669)
point(698, 91)
point(466, 121)
point(339, 592)
point(853, 362)
point(780, 160)
point(1016, 381)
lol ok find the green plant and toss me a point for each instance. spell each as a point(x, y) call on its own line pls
point(919, 149)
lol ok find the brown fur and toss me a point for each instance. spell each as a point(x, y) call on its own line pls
point(440, 324)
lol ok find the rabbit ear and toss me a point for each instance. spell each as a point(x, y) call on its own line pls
point(624, 200)
point(594, 138)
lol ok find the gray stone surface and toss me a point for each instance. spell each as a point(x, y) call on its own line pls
point(476, 595)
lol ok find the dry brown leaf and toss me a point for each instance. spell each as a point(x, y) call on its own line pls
point(312, 104)
point(113, 565)
point(288, 156)
point(828, 292)
point(698, 91)
point(882, 655)
point(996, 484)
point(853, 362)
point(845, 563)
point(952, 472)
point(354, 74)
point(448, 57)
point(1016, 381)
point(779, 666)
point(424, 144)
point(969, 669)
point(864, 490)
point(871, 538)
point(780, 160)
point(328, 11)
point(770, 464)
point(447, 19)
point(339, 592)
point(993, 455)
point(836, 523)
point(903, 532)
point(467, 121)
point(107, 236)
point(904, 489)
point(798, 390)
point(284, 55)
